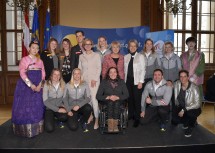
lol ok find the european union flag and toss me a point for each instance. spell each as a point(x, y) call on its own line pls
point(35, 26)
point(47, 30)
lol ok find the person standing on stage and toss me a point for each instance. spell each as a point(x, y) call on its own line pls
point(152, 60)
point(28, 107)
point(78, 49)
point(90, 65)
point(102, 47)
point(115, 59)
point(49, 57)
point(170, 63)
point(194, 62)
point(65, 59)
point(134, 65)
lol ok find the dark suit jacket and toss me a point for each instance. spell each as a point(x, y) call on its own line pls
point(76, 52)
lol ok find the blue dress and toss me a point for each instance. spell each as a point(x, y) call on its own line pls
point(28, 107)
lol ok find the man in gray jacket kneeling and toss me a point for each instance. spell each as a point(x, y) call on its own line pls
point(155, 100)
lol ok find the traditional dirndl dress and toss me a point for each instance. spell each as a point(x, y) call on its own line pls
point(28, 107)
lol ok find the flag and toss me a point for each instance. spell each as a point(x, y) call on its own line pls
point(35, 26)
point(26, 35)
point(47, 30)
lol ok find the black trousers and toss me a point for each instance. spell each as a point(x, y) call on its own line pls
point(189, 118)
point(113, 109)
point(84, 112)
point(50, 121)
point(155, 113)
point(134, 100)
point(67, 77)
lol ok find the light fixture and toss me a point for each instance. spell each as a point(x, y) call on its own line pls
point(174, 6)
point(23, 4)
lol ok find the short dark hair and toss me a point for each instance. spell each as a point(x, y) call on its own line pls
point(183, 71)
point(158, 70)
point(77, 31)
point(193, 39)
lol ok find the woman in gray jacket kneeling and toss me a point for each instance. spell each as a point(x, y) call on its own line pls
point(53, 92)
point(76, 100)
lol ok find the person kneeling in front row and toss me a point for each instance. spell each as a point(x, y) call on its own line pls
point(187, 104)
point(76, 100)
point(155, 100)
point(53, 92)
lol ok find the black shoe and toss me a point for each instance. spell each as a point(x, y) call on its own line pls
point(174, 123)
point(184, 127)
point(188, 132)
point(136, 123)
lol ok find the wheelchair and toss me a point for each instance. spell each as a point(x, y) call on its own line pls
point(122, 120)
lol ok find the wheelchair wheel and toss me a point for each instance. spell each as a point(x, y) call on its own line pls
point(125, 118)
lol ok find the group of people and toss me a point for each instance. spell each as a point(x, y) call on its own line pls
point(67, 86)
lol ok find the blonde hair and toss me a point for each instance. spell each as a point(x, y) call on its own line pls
point(115, 43)
point(98, 46)
point(71, 82)
point(85, 40)
point(49, 81)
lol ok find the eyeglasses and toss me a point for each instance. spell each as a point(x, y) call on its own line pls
point(88, 44)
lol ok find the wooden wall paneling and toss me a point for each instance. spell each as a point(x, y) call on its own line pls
point(3, 52)
point(11, 81)
point(2, 97)
point(151, 15)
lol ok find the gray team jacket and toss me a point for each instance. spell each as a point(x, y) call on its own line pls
point(162, 94)
point(52, 98)
point(152, 62)
point(76, 96)
point(171, 67)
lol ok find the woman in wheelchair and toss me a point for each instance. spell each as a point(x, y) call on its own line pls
point(112, 92)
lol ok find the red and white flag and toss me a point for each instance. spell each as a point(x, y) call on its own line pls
point(26, 35)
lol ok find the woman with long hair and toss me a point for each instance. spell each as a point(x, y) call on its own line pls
point(53, 92)
point(76, 100)
point(49, 57)
point(66, 59)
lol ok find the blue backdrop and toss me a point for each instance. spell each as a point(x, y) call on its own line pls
point(123, 35)
point(159, 38)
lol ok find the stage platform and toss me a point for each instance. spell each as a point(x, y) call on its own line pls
point(148, 139)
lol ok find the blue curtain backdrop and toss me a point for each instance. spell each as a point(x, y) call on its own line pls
point(123, 35)
point(159, 38)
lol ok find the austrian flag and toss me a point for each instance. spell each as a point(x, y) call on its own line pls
point(26, 35)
